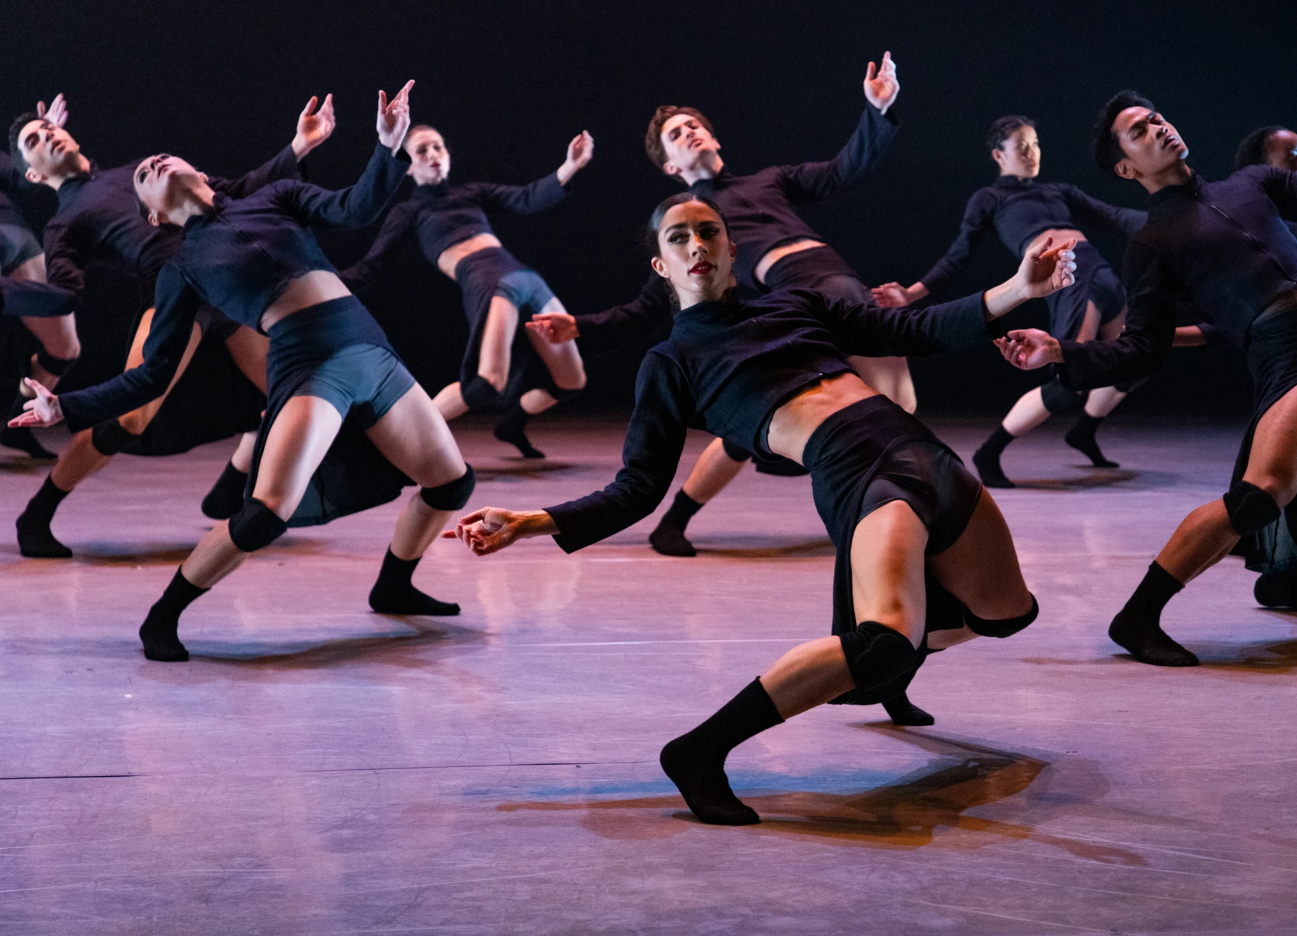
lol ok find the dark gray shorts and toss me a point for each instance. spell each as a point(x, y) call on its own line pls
point(364, 379)
point(17, 246)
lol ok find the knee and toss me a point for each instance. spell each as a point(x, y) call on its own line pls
point(497, 375)
point(1251, 507)
point(480, 393)
point(1059, 399)
point(1001, 627)
point(255, 526)
point(877, 655)
point(453, 494)
point(734, 452)
point(111, 437)
point(59, 353)
point(573, 382)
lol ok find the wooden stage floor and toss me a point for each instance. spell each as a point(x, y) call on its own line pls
point(320, 769)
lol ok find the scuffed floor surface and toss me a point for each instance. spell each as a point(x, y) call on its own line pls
point(320, 769)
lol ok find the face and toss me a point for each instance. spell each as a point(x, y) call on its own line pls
point(429, 158)
point(1152, 146)
point(1019, 154)
point(49, 150)
point(694, 252)
point(687, 143)
point(163, 183)
point(1281, 150)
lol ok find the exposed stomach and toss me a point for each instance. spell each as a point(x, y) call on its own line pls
point(775, 254)
point(1059, 235)
point(307, 290)
point(451, 256)
point(794, 422)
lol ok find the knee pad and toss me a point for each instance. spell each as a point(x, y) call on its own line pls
point(559, 393)
point(734, 453)
point(1129, 386)
point(478, 393)
point(255, 526)
point(111, 437)
point(1001, 628)
point(55, 365)
point(1059, 399)
point(877, 655)
point(453, 494)
point(1249, 508)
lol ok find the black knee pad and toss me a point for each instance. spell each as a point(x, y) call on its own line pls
point(1130, 386)
point(877, 655)
point(478, 393)
point(1059, 399)
point(734, 453)
point(57, 366)
point(560, 394)
point(453, 494)
point(111, 437)
point(1250, 509)
point(255, 526)
point(1001, 628)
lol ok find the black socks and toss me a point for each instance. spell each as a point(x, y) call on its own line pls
point(1137, 626)
point(904, 712)
point(669, 538)
point(987, 459)
point(158, 632)
point(510, 429)
point(1081, 438)
point(226, 496)
point(695, 762)
point(394, 593)
point(35, 541)
point(1276, 590)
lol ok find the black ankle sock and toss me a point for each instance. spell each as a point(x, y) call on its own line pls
point(669, 537)
point(987, 459)
point(695, 762)
point(511, 429)
point(1081, 438)
point(904, 712)
point(35, 540)
point(226, 496)
point(394, 593)
point(158, 632)
point(1137, 626)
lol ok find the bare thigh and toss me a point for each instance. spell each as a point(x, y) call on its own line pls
point(563, 361)
point(298, 440)
point(1089, 329)
point(57, 334)
point(414, 437)
point(887, 569)
point(1272, 461)
point(249, 349)
point(1110, 330)
point(981, 568)
point(136, 421)
point(495, 354)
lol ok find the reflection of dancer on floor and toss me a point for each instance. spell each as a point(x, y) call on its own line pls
point(99, 220)
point(772, 375)
point(449, 223)
point(776, 250)
point(329, 361)
point(1224, 247)
point(1022, 212)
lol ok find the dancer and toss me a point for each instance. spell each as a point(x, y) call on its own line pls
point(772, 375)
point(329, 362)
point(1224, 247)
point(98, 219)
point(1022, 212)
point(500, 365)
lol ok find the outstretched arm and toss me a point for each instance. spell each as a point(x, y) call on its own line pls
point(979, 216)
point(392, 235)
point(579, 153)
point(648, 314)
point(1094, 213)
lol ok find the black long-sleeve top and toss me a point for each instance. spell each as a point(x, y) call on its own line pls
point(647, 315)
point(1223, 247)
point(239, 257)
point(1018, 210)
point(760, 207)
point(440, 216)
point(99, 219)
point(727, 366)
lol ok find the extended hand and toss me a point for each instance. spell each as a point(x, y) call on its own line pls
point(1030, 348)
point(881, 84)
point(891, 295)
point(394, 117)
point(44, 410)
point(1046, 268)
point(487, 530)
point(57, 113)
point(553, 327)
point(579, 152)
point(313, 128)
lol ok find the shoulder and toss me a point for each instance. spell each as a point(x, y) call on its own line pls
point(985, 199)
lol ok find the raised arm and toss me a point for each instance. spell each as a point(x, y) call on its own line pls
point(283, 165)
point(396, 229)
point(1094, 213)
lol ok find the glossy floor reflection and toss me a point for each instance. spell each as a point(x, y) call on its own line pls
point(320, 769)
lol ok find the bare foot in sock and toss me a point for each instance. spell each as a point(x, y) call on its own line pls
point(1147, 642)
point(408, 600)
point(904, 712)
point(988, 468)
point(226, 496)
point(515, 435)
point(158, 634)
point(702, 782)
point(1084, 442)
point(669, 541)
point(36, 541)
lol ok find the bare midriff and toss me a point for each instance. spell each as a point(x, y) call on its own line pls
point(793, 423)
point(451, 256)
point(1059, 234)
point(775, 254)
point(307, 290)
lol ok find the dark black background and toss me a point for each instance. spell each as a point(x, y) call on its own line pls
point(510, 83)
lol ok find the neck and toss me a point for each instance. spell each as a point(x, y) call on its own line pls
point(709, 167)
point(690, 297)
point(1177, 174)
point(198, 202)
point(82, 167)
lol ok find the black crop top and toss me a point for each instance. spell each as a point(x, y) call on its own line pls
point(727, 366)
point(239, 257)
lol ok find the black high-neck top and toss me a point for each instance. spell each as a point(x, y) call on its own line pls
point(727, 366)
point(1222, 247)
point(1018, 210)
point(239, 257)
point(441, 216)
point(760, 207)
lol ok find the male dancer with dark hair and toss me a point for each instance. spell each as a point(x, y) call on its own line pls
point(1225, 247)
point(99, 219)
point(1273, 146)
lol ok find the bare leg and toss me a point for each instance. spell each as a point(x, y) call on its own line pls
point(566, 370)
point(1101, 401)
point(242, 457)
point(890, 376)
point(450, 402)
point(495, 355)
point(248, 350)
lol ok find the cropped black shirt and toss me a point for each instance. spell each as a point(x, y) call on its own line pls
point(1019, 209)
point(239, 257)
point(727, 366)
point(441, 216)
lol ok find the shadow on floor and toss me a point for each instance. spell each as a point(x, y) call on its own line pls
point(1098, 478)
point(521, 468)
point(1277, 656)
point(798, 549)
point(22, 465)
point(395, 648)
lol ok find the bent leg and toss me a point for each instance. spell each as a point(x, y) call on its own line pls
point(1028, 413)
point(248, 350)
point(714, 470)
point(495, 355)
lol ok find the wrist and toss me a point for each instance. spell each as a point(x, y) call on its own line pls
point(300, 148)
point(1004, 298)
point(536, 523)
point(1055, 351)
point(565, 172)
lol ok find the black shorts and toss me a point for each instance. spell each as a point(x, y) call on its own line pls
point(1095, 282)
point(17, 246)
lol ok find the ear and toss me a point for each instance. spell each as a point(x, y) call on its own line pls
point(659, 267)
point(671, 168)
point(1125, 169)
point(154, 220)
point(997, 156)
point(203, 176)
point(34, 177)
point(734, 251)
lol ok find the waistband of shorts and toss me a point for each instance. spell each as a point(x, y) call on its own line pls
point(886, 419)
point(313, 334)
point(807, 268)
point(489, 261)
